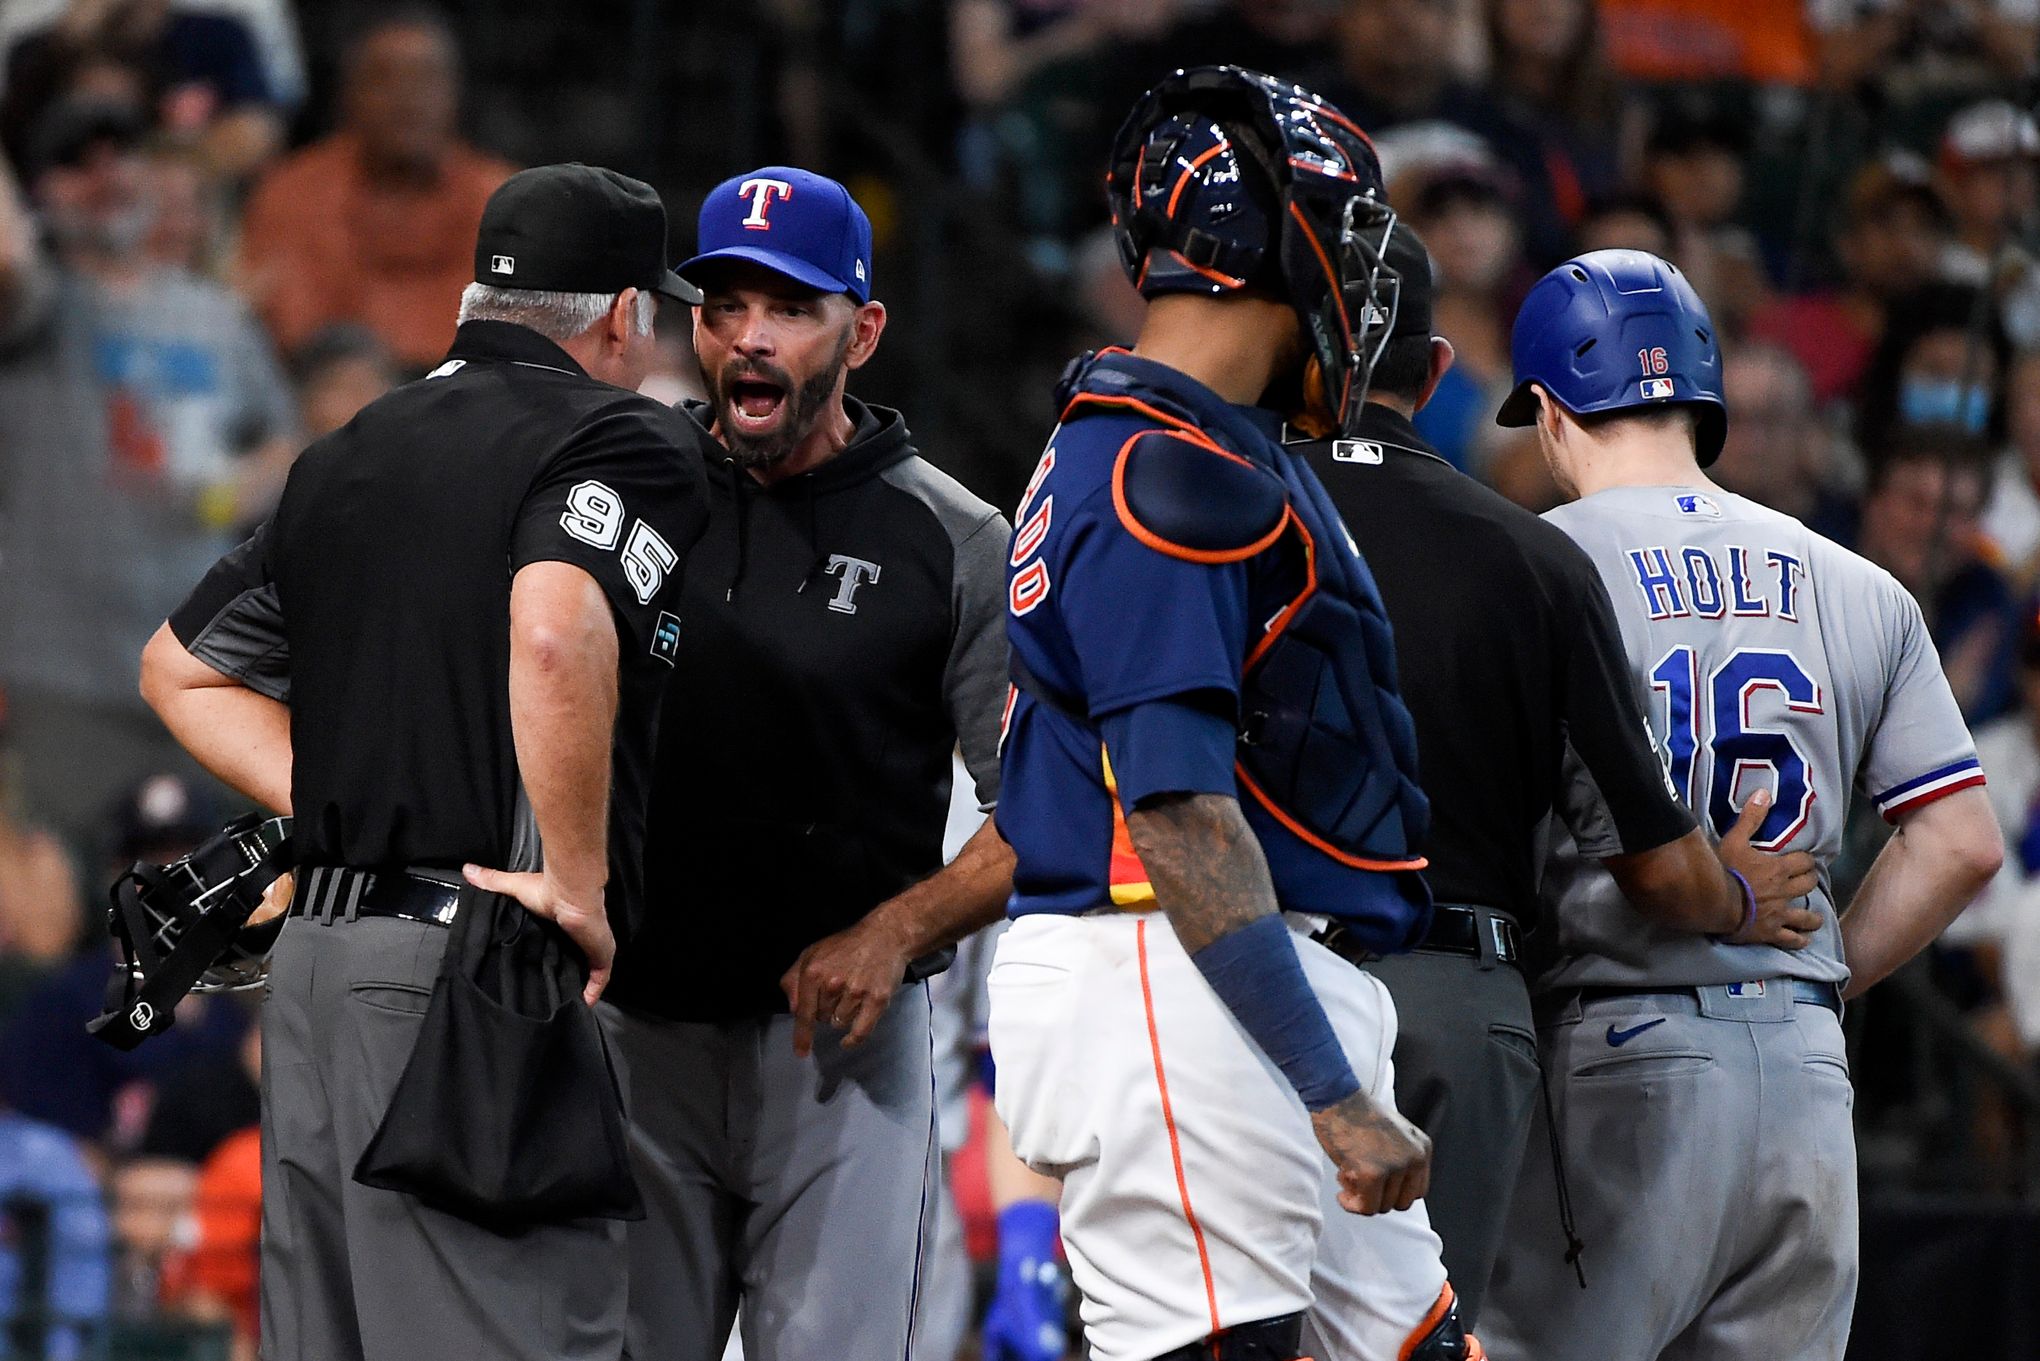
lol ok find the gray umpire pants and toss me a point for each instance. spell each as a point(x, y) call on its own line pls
point(1712, 1168)
point(352, 1273)
point(801, 1188)
point(1466, 1074)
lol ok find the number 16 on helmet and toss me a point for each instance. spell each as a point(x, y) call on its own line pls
point(1618, 330)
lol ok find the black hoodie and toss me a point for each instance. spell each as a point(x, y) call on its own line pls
point(842, 631)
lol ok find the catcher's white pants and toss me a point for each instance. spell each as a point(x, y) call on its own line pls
point(1195, 1196)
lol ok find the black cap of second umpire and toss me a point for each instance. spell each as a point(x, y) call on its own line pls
point(576, 229)
point(1412, 263)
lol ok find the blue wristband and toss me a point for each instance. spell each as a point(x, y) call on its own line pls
point(1256, 973)
point(1749, 916)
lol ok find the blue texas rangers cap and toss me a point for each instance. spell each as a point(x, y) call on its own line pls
point(803, 225)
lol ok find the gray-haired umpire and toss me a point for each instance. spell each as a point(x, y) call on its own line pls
point(446, 650)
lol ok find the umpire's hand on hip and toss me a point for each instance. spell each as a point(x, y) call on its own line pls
point(1384, 1161)
point(580, 913)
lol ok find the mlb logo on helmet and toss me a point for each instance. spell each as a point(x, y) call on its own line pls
point(1657, 387)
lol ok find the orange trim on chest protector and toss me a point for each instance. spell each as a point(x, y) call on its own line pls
point(1304, 834)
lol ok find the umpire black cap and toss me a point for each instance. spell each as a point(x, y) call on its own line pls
point(576, 229)
point(1407, 256)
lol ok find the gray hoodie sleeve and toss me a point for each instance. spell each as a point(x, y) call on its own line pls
point(974, 681)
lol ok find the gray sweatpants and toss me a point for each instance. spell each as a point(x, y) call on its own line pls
point(1465, 1074)
point(1712, 1166)
point(802, 1188)
point(351, 1273)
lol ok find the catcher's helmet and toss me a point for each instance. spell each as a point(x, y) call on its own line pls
point(1225, 179)
point(1615, 329)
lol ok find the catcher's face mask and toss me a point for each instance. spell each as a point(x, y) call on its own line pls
point(1225, 179)
point(182, 927)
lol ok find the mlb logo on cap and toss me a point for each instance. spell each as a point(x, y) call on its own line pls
point(1657, 387)
point(502, 264)
point(791, 221)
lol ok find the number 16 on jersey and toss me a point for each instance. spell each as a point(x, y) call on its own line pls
point(1709, 729)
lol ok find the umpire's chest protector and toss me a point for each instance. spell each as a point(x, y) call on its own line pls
point(1326, 754)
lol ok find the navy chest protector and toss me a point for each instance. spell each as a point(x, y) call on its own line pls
point(1326, 748)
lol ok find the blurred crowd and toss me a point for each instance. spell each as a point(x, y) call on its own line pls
point(218, 242)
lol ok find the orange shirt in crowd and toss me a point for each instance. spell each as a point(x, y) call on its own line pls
point(221, 1269)
point(1766, 41)
point(322, 243)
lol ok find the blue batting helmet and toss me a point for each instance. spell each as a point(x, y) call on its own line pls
point(1614, 330)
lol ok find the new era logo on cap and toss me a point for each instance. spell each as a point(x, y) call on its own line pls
point(1657, 387)
point(503, 264)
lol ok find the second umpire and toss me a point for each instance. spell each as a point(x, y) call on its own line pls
point(445, 651)
point(1512, 666)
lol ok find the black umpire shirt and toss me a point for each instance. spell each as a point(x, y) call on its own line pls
point(376, 601)
point(1508, 652)
point(846, 632)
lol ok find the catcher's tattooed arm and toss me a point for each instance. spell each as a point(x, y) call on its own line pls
point(1205, 866)
point(1211, 881)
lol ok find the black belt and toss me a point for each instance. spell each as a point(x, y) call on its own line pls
point(1476, 932)
point(338, 893)
point(1479, 933)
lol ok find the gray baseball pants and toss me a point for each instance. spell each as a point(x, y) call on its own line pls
point(1712, 1166)
point(801, 1188)
point(1465, 1074)
point(352, 1273)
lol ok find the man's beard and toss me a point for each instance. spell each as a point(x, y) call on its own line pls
point(801, 406)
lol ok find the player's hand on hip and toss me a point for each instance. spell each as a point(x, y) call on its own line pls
point(581, 913)
point(1384, 1161)
point(1779, 881)
point(845, 981)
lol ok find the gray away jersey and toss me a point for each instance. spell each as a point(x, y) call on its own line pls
point(1774, 659)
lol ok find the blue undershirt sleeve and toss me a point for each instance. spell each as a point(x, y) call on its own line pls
point(1172, 746)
